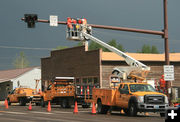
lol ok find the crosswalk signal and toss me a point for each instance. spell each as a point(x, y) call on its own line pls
point(30, 19)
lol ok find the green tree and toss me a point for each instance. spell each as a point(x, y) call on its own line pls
point(120, 47)
point(112, 43)
point(80, 43)
point(154, 50)
point(60, 47)
point(148, 49)
point(21, 61)
point(94, 46)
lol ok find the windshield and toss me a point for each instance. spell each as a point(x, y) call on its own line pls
point(141, 87)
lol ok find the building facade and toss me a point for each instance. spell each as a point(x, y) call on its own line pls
point(95, 67)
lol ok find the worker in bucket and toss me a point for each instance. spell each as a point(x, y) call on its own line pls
point(69, 25)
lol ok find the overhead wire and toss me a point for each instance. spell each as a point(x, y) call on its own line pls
point(26, 48)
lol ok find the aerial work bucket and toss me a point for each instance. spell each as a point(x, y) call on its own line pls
point(74, 29)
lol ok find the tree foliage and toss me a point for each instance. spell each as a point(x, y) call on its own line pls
point(149, 49)
point(21, 61)
point(60, 47)
point(93, 46)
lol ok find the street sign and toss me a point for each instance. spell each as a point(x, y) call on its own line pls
point(168, 72)
point(53, 20)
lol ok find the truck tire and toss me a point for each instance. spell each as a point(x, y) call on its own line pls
point(22, 101)
point(42, 102)
point(9, 103)
point(132, 110)
point(65, 103)
point(102, 109)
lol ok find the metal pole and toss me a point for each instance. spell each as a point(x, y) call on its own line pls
point(166, 47)
point(166, 33)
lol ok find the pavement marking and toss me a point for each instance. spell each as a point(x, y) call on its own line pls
point(65, 112)
point(14, 112)
point(62, 112)
point(40, 112)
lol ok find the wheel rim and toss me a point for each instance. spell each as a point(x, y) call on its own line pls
point(132, 109)
point(42, 102)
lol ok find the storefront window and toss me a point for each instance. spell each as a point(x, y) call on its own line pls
point(96, 80)
point(77, 81)
point(90, 81)
point(85, 80)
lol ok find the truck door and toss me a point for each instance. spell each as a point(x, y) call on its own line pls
point(11, 96)
point(123, 96)
point(118, 96)
point(49, 92)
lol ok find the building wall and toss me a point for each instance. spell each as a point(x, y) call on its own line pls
point(5, 88)
point(28, 79)
point(75, 62)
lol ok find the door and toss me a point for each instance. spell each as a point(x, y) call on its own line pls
point(123, 96)
point(48, 93)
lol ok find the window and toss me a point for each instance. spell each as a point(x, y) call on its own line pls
point(95, 80)
point(49, 87)
point(90, 81)
point(77, 81)
point(141, 87)
point(125, 87)
point(84, 80)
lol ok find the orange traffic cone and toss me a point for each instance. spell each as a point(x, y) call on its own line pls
point(6, 104)
point(30, 106)
point(122, 111)
point(93, 109)
point(75, 108)
point(49, 107)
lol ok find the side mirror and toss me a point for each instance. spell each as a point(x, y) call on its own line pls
point(48, 88)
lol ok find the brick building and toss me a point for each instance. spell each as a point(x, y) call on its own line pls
point(95, 67)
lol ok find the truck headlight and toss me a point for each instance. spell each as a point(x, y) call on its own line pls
point(141, 99)
point(166, 100)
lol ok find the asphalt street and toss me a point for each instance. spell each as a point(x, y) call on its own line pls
point(18, 113)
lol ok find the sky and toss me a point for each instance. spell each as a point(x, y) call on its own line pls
point(36, 43)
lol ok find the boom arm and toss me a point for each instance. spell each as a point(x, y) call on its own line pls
point(129, 60)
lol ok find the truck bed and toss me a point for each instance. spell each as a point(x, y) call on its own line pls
point(106, 95)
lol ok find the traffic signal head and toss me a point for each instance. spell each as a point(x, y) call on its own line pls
point(30, 19)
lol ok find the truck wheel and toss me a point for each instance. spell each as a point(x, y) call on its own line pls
point(102, 109)
point(132, 111)
point(65, 104)
point(9, 103)
point(22, 102)
point(43, 104)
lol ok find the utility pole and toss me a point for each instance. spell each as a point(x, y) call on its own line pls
point(166, 47)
